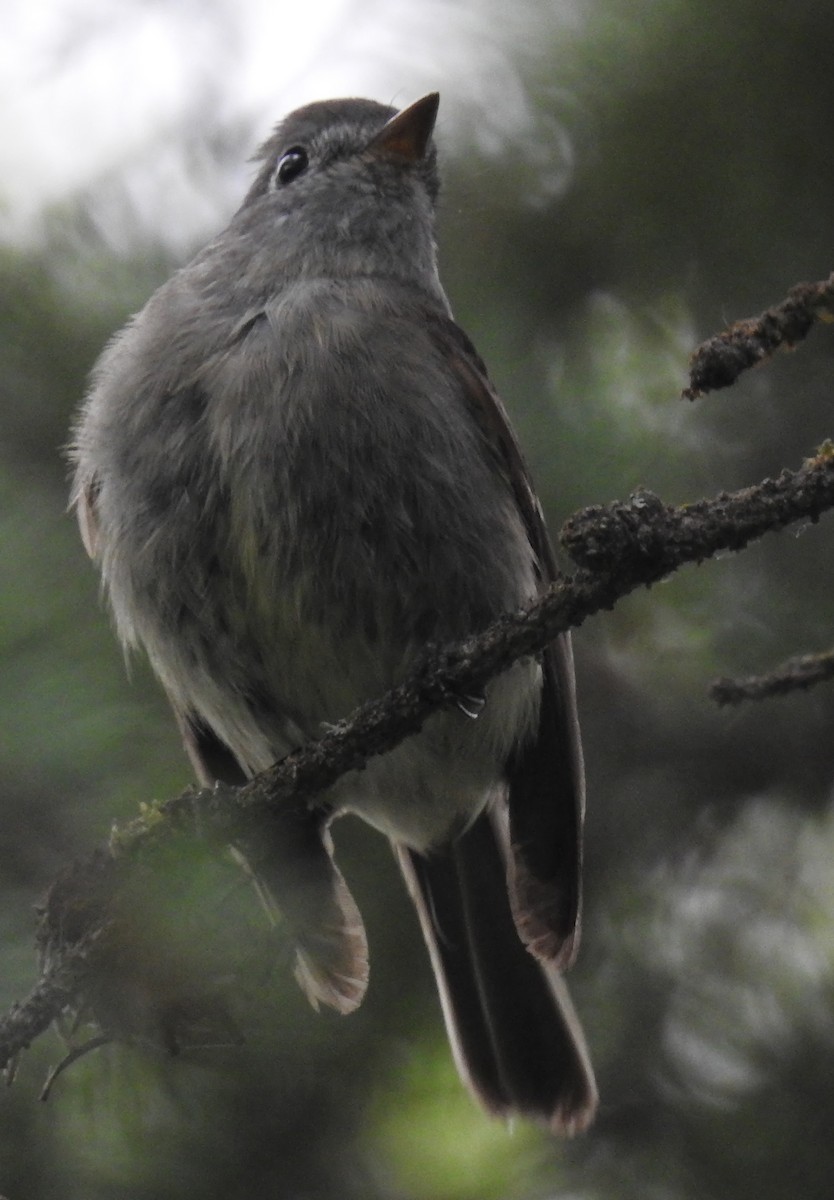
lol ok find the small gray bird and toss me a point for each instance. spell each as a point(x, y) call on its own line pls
point(293, 472)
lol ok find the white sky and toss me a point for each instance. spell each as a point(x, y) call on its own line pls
point(91, 86)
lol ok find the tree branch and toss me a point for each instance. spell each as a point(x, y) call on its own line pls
point(617, 548)
point(718, 362)
point(794, 675)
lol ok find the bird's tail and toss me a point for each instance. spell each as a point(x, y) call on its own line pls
point(514, 1033)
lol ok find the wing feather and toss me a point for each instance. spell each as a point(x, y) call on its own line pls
point(546, 799)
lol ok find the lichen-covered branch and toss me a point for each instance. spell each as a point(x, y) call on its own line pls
point(795, 675)
point(617, 548)
point(718, 362)
point(643, 533)
point(56, 990)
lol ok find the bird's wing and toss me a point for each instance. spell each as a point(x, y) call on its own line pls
point(291, 864)
point(541, 825)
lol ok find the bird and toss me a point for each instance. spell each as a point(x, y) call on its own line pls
point(293, 472)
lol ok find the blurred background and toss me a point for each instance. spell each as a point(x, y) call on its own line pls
point(621, 179)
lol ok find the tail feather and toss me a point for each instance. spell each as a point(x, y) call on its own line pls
point(516, 1039)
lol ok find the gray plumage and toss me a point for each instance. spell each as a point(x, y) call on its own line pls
point(293, 473)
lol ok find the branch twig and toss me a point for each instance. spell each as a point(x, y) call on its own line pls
point(718, 362)
point(794, 675)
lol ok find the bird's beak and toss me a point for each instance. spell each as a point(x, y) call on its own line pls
point(407, 135)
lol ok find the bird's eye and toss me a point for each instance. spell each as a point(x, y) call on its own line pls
point(290, 164)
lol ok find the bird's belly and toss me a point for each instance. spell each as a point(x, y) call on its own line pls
point(435, 783)
point(428, 787)
point(334, 532)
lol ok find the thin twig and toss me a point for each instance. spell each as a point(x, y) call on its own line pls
point(718, 362)
point(94, 1043)
point(53, 993)
point(796, 674)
